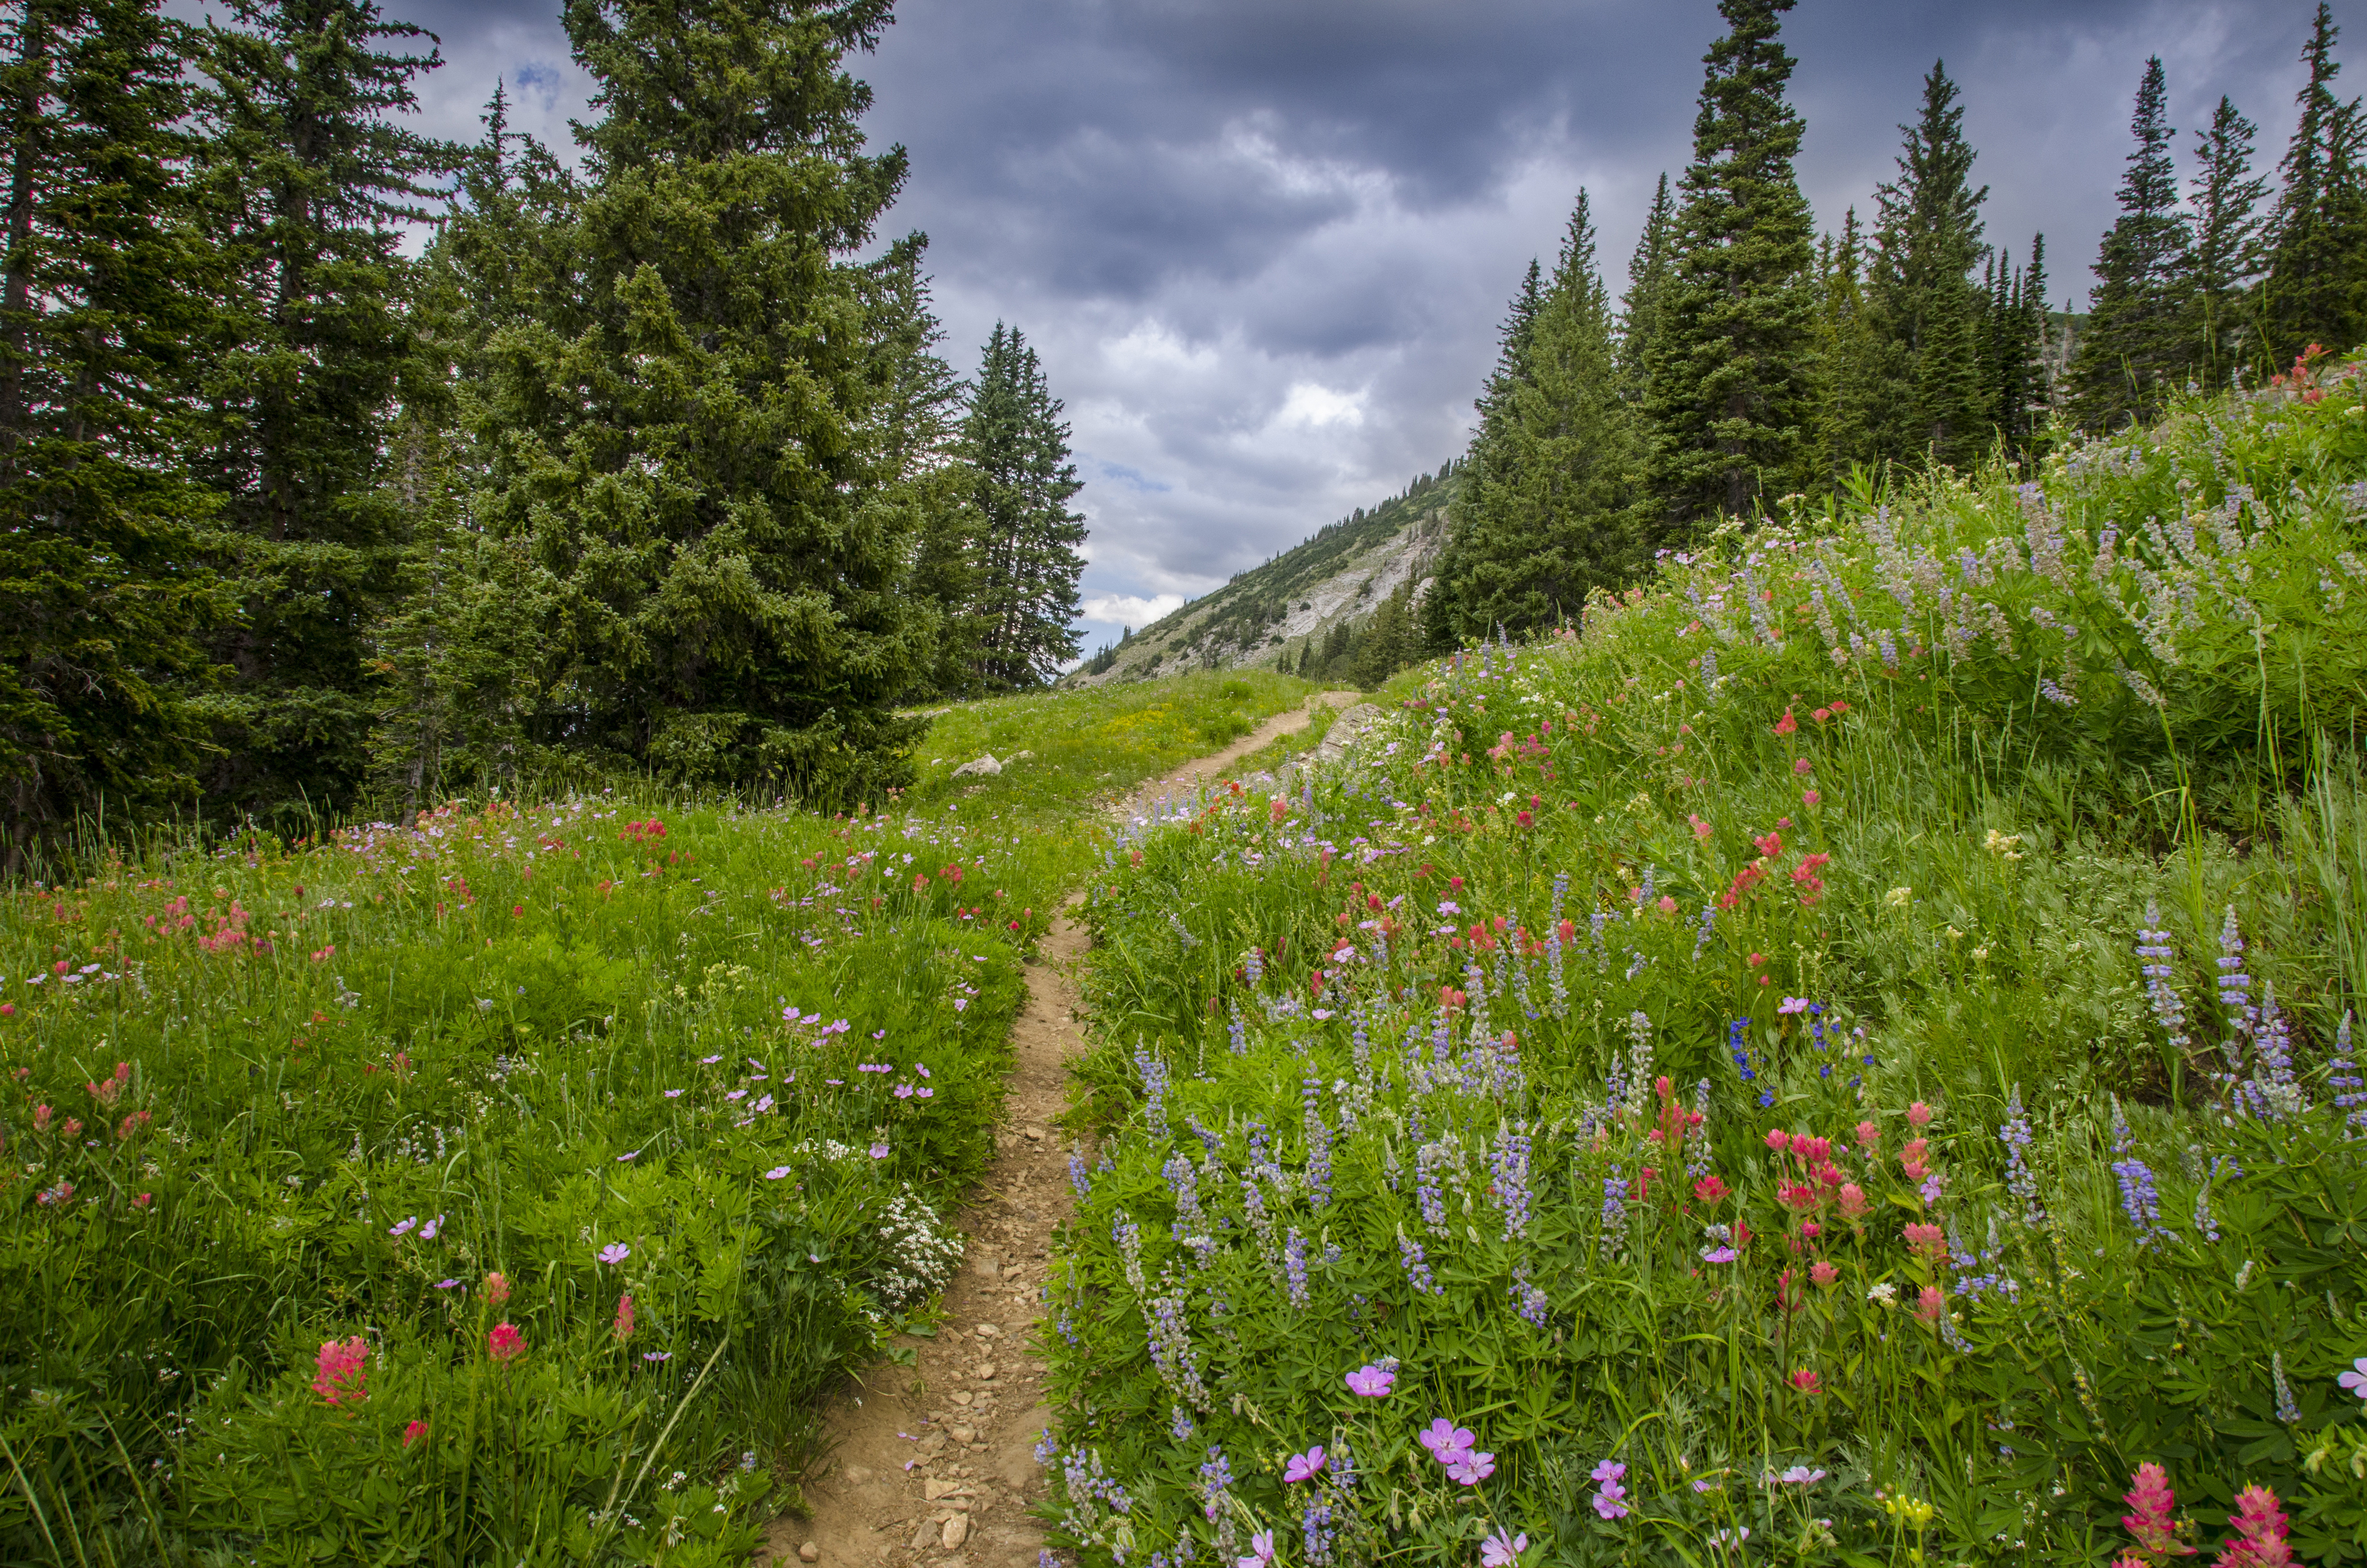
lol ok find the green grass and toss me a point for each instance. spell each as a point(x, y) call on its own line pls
point(1406, 1067)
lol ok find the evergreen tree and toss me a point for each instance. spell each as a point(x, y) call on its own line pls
point(2318, 241)
point(930, 481)
point(1727, 367)
point(693, 443)
point(1549, 515)
point(461, 654)
point(2226, 256)
point(1647, 280)
point(2132, 352)
point(307, 186)
point(1848, 364)
point(1018, 451)
point(1928, 240)
point(1493, 460)
point(98, 533)
point(2014, 379)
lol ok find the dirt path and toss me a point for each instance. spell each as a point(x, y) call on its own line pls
point(935, 1462)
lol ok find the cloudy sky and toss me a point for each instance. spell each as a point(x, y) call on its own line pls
point(1264, 245)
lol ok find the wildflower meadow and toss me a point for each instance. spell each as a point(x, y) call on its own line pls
point(1847, 1055)
point(506, 1186)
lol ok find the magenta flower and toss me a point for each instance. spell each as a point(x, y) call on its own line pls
point(504, 1341)
point(1446, 1440)
point(615, 1252)
point(1260, 1550)
point(1306, 1466)
point(879, 1151)
point(1610, 1470)
point(1607, 1504)
point(1503, 1550)
point(344, 1369)
point(1372, 1383)
point(405, 1227)
point(1470, 1468)
point(777, 1172)
point(2355, 1379)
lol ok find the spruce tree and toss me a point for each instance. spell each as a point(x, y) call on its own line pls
point(1550, 516)
point(928, 479)
point(1648, 278)
point(1492, 461)
point(1849, 364)
point(1927, 242)
point(1019, 453)
point(1727, 368)
point(100, 300)
point(2225, 257)
point(693, 445)
point(2015, 375)
point(2133, 351)
point(2318, 234)
point(309, 188)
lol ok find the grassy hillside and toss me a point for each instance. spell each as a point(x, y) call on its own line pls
point(1338, 576)
point(1847, 1063)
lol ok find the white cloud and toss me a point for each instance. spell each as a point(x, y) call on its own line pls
point(1312, 405)
point(1128, 609)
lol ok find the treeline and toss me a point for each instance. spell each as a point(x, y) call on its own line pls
point(1752, 359)
point(651, 465)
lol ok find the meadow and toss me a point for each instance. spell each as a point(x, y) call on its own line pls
point(507, 1186)
point(1848, 1059)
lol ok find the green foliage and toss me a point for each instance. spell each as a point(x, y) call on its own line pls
point(1957, 916)
point(2315, 291)
point(1927, 242)
point(99, 307)
point(360, 1078)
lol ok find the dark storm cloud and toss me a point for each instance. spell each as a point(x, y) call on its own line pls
point(1263, 244)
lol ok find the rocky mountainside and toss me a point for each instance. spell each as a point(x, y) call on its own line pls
point(1338, 578)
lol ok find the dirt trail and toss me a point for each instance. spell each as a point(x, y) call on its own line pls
point(935, 1463)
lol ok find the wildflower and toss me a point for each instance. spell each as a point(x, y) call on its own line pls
point(1884, 1294)
point(623, 1328)
point(1787, 724)
point(879, 1151)
point(1855, 1204)
point(615, 1252)
point(1306, 1466)
point(1928, 1305)
point(343, 1366)
point(1502, 1548)
point(2260, 1538)
point(1371, 1382)
point(1444, 1439)
point(503, 1341)
point(2355, 1379)
point(1262, 1543)
point(404, 1227)
point(1918, 1114)
point(1810, 797)
point(1470, 1468)
point(1823, 1273)
point(1897, 896)
point(1800, 1475)
point(1805, 1381)
point(777, 1172)
point(1608, 1492)
point(413, 1432)
point(1710, 1189)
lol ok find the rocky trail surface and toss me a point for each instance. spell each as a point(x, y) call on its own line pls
point(934, 1461)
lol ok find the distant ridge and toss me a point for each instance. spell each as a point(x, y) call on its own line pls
point(1337, 577)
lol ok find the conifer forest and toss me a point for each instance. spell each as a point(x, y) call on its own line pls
point(591, 974)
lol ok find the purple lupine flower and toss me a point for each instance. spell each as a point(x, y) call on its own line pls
point(1318, 1145)
point(1294, 1252)
point(1216, 1481)
point(1417, 1270)
point(2153, 949)
point(1171, 1354)
point(2021, 1181)
point(1614, 1209)
point(1179, 1423)
point(1077, 1177)
point(1426, 1160)
point(1511, 1160)
point(1236, 1032)
point(1528, 1301)
point(2342, 1077)
point(2139, 1201)
point(1315, 1530)
point(1153, 1073)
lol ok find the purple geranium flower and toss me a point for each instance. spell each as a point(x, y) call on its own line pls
point(1306, 1466)
point(615, 1252)
point(1372, 1383)
point(1260, 1550)
point(1470, 1468)
point(1503, 1550)
point(2355, 1379)
point(1444, 1439)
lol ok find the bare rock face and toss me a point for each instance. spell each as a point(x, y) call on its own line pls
point(984, 767)
point(1344, 732)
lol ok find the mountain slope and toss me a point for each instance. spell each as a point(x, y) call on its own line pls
point(1339, 576)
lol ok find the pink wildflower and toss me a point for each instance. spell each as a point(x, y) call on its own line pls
point(1928, 1305)
point(2260, 1538)
point(1823, 1273)
point(413, 1432)
point(623, 1328)
point(2150, 1495)
point(1805, 1381)
point(1926, 1240)
point(342, 1367)
point(502, 1342)
point(498, 1290)
point(1918, 1114)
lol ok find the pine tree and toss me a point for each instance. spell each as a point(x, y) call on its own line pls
point(1850, 381)
point(2130, 356)
point(309, 188)
point(1550, 516)
point(2312, 294)
point(2225, 255)
point(2015, 377)
point(1493, 460)
point(1928, 240)
point(1018, 452)
point(693, 445)
point(1727, 363)
point(930, 481)
point(98, 533)
point(1647, 280)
